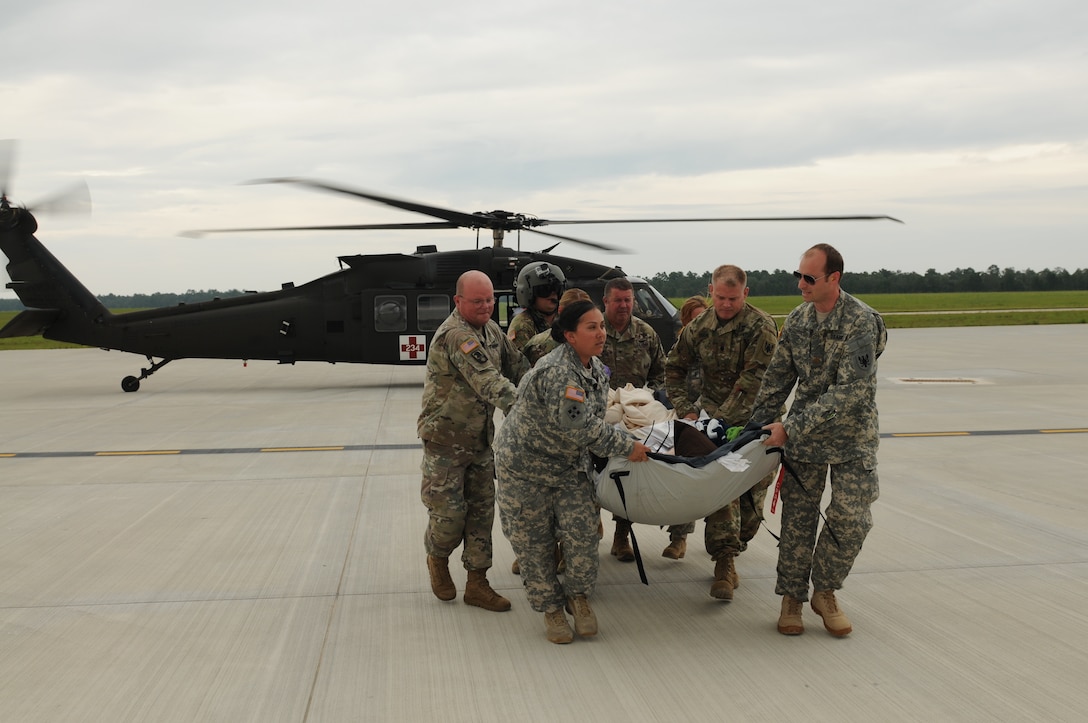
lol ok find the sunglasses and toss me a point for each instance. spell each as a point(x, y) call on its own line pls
point(808, 278)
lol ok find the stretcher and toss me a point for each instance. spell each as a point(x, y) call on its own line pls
point(672, 490)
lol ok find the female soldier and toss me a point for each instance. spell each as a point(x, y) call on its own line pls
point(542, 460)
point(694, 306)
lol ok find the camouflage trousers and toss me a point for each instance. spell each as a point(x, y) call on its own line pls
point(729, 529)
point(459, 492)
point(534, 518)
point(801, 555)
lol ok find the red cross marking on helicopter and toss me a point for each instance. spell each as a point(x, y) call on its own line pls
point(413, 347)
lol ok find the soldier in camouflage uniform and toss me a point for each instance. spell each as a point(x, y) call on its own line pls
point(544, 342)
point(691, 308)
point(534, 351)
point(828, 348)
point(633, 355)
point(731, 348)
point(542, 455)
point(471, 369)
point(537, 289)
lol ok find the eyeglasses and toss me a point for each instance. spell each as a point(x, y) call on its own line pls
point(810, 279)
point(478, 302)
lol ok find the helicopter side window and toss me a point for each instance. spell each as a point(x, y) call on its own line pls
point(648, 304)
point(390, 313)
point(432, 310)
point(506, 308)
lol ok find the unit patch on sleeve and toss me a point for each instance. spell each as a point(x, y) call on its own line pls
point(473, 349)
point(572, 409)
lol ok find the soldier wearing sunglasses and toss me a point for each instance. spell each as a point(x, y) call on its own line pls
point(828, 349)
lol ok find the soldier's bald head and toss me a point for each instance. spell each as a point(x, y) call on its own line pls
point(476, 280)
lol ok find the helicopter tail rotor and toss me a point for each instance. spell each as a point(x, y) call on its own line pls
point(74, 199)
point(7, 159)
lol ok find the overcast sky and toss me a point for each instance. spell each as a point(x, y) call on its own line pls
point(967, 120)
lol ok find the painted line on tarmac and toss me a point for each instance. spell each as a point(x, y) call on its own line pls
point(380, 447)
point(985, 433)
point(187, 452)
point(372, 448)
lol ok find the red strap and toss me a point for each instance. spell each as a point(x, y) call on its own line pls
point(778, 487)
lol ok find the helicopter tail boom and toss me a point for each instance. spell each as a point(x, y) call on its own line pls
point(58, 305)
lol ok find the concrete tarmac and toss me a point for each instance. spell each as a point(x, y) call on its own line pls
point(242, 543)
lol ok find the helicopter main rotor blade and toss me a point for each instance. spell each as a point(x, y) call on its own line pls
point(543, 222)
point(592, 244)
point(346, 227)
point(463, 220)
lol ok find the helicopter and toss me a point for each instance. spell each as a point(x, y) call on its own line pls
point(376, 309)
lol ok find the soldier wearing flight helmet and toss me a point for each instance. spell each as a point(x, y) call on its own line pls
point(538, 287)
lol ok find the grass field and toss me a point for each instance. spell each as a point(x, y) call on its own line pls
point(902, 311)
point(913, 311)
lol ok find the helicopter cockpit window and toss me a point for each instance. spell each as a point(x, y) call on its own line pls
point(648, 303)
point(390, 313)
point(432, 310)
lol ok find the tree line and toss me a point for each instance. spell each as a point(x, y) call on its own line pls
point(144, 301)
point(677, 284)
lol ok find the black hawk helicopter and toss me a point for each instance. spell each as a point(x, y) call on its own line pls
point(377, 309)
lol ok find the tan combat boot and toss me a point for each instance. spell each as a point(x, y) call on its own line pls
point(789, 621)
point(621, 546)
point(722, 588)
point(678, 545)
point(556, 627)
point(824, 604)
point(585, 621)
point(478, 592)
point(441, 583)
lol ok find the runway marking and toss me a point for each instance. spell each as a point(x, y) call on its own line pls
point(416, 446)
point(927, 434)
point(235, 450)
point(303, 449)
point(986, 433)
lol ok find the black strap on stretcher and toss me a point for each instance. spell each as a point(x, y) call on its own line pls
point(617, 478)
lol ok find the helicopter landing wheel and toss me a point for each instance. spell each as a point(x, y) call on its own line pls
point(130, 384)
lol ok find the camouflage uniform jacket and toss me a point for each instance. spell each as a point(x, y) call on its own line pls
point(470, 372)
point(731, 357)
point(635, 356)
point(524, 327)
point(557, 420)
point(538, 346)
point(833, 417)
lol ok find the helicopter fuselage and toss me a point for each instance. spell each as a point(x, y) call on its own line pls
point(377, 309)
